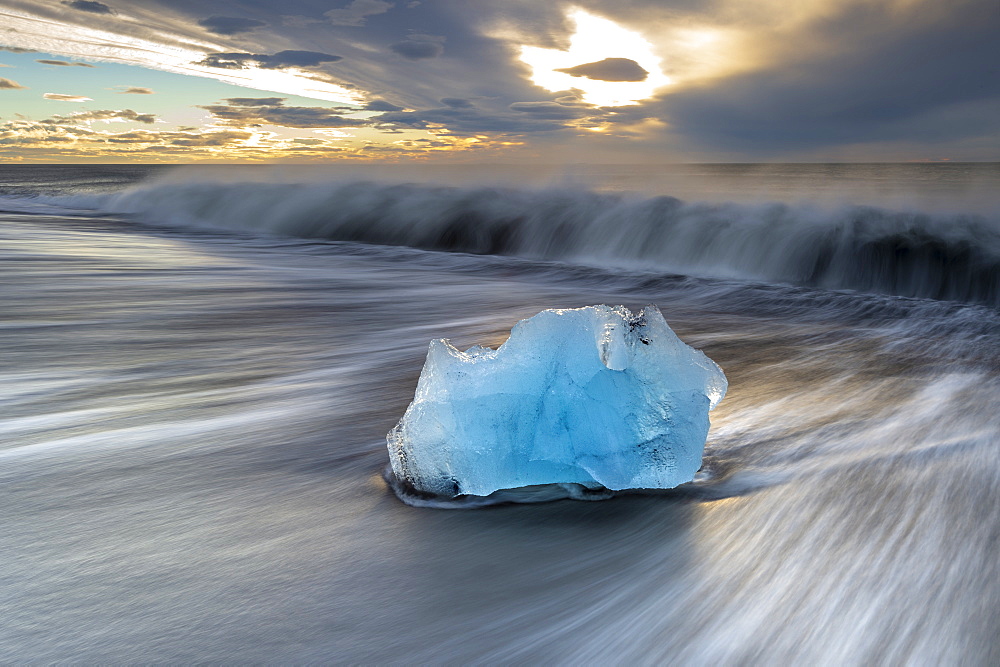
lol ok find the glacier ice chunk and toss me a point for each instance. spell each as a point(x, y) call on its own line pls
point(594, 396)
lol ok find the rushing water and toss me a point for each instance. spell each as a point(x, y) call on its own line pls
point(199, 368)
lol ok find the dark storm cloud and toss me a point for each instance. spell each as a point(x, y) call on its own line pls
point(230, 25)
point(89, 6)
point(64, 63)
point(7, 84)
point(884, 89)
point(609, 69)
point(417, 50)
point(252, 112)
point(279, 60)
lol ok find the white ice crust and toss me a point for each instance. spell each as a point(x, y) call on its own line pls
point(594, 396)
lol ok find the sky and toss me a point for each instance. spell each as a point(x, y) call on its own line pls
point(506, 81)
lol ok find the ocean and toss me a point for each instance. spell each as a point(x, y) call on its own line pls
point(200, 365)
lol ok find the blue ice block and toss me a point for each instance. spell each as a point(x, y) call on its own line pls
point(595, 396)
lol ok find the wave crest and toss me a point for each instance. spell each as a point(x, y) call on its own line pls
point(938, 256)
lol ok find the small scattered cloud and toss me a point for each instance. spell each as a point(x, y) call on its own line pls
point(333, 132)
point(64, 63)
point(77, 134)
point(7, 84)
point(381, 105)
point(59, 97)
point(105, 115)
point(186, 139)
point(356, 13)
point(221, 138)
point(609, 69)
point(16, 49)
point(526, 118)
point(257, 111)
point(136, 90)
point(230, 25)
point(419, 47)
point(279, 60)
point(256, 101)
point(89, 6)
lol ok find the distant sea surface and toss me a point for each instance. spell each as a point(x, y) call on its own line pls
point(199, 366)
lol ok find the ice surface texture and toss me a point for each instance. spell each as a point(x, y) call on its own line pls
point(595, 396)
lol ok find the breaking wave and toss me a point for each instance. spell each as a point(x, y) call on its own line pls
point(916, 254)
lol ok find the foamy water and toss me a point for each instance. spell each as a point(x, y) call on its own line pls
point(195, 398)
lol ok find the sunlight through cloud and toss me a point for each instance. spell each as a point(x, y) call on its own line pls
point(595, 40)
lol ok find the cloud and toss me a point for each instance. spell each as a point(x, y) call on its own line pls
point(457, 102)
point(15, 49)
point(70, 129)
point(107, 114)
point(550, 110)
point(355, 13)
point(381, 105)
point(256, 101)
point(60, 134)
point(279, 60)
point(63, 63)
point(136, 137)
point(7, 84)
point(522, 119)
point(89, 6)
point(136, 90)
point(221, 138)
point(59, 97)
point(332, 132)
point(866, 89)
point(76, 136)
point(609, 69)
point(253, 112)
point(417, 48)
point(751, 80)
point(157, 35)
point(230, 25)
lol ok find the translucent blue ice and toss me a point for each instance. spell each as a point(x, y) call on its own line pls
point(594, 396)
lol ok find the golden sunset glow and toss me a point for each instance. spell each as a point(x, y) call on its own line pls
point(375, 79)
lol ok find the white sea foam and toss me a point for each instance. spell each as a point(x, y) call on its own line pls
point(901, 252)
